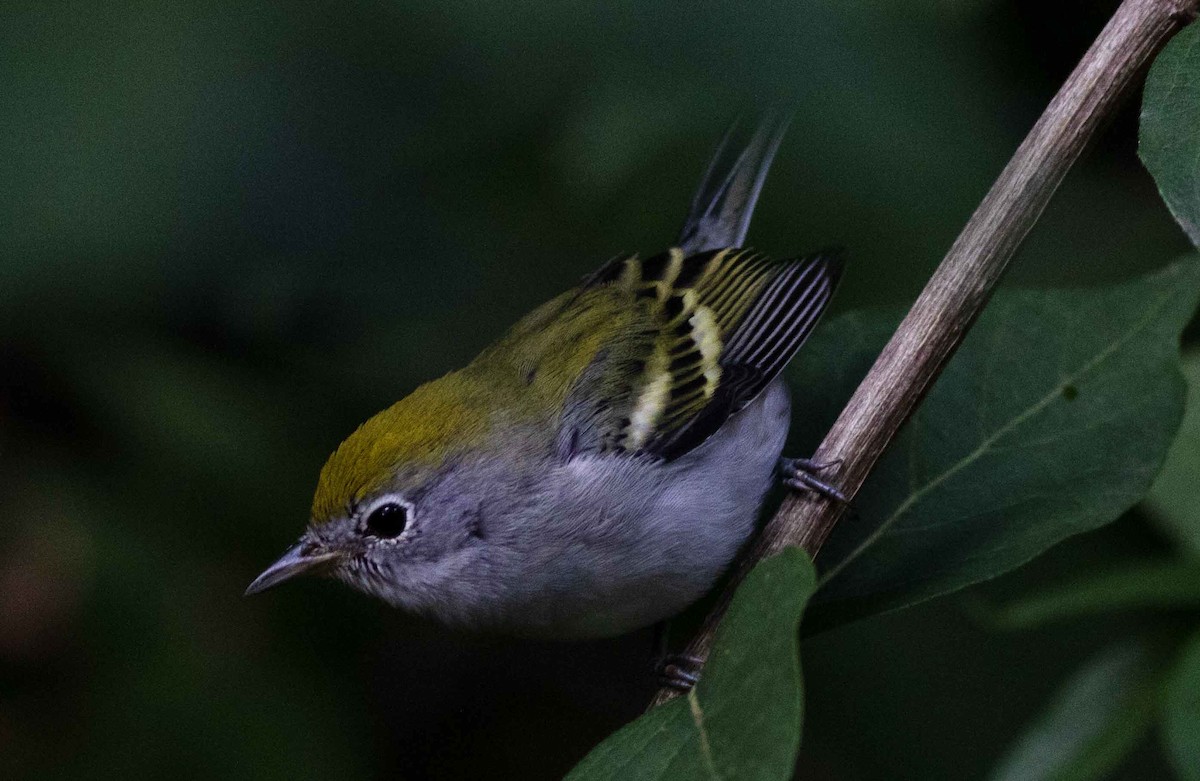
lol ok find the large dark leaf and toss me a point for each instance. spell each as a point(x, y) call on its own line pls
point(1174, 498)
point(1170, 133)
point(1052, 419)
point(743, 719)
point(1093, 722)
point(1140, 587)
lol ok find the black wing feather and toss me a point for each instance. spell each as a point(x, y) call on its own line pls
point(773, 329)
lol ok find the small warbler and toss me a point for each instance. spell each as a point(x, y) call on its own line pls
point(597, 468)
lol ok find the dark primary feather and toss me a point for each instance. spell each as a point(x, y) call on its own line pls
point(724, 202)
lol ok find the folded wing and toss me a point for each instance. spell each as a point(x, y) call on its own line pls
point(719, 326)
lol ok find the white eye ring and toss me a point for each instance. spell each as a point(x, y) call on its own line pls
point(386, 525)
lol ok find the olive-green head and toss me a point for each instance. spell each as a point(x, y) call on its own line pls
point(401, 446)
point(384, 496)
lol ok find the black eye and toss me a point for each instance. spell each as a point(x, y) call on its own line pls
point(387, 520)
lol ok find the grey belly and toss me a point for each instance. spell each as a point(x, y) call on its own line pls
point(637, 541)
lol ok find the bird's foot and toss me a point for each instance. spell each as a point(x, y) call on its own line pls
point(802, 475)
point(678, 671)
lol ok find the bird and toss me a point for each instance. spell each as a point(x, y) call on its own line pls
point(596, 469)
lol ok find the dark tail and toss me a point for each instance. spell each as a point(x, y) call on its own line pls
point(723, 204)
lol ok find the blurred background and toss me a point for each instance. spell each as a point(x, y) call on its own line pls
point(231, 231)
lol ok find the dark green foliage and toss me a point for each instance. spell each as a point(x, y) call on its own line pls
point(1053, 418)
point(1093, 722)
point(1170, 137)
point(743, 719)
point(1144, 586)
point(1174, 499)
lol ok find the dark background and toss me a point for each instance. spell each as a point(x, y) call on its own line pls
point(231, 231)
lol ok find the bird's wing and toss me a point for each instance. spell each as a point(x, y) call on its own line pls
point(712, 329)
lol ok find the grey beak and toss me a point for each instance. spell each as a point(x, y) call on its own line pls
point(298, 559)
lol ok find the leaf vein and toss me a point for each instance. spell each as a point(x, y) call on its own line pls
point(984, 446)
point(705, 747)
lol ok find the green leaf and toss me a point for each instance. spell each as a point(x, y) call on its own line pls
point(1159, 586)
point(1052, 419)
point(1093, 722)
point(743, 718)
point(1174, 500)
point(1181, 722)
point(1169, 142)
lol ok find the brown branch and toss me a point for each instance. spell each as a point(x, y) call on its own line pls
point(964, 281)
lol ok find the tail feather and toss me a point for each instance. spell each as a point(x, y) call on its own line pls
point(724, 203)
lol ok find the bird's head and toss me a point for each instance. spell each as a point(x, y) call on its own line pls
point(390, 516)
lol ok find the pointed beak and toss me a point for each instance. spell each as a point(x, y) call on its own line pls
point(300, 558)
